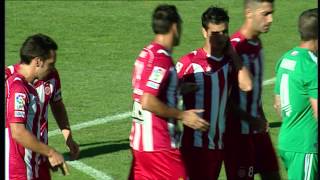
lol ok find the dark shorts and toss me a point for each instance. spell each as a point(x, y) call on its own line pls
point(202, 163)
point(246, 155)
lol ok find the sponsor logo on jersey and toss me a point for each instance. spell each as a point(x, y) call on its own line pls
point(19, 114)
point(47, 90)
point(157, 74)
point(19, 101)
point(153, 85)
point(288, 64)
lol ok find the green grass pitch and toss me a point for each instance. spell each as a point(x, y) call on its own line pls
point(98, 43)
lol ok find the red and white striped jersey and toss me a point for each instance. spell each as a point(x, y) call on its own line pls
point(251, 54)
point(211, 76)
point(22, 106)
point(154, 73)
point(49, 90)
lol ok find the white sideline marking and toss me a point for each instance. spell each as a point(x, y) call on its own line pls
point(93, 123)
point(89, 170)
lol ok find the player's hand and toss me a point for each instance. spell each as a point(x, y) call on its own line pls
point(219, 42)
point(192, 120)
point(73, 148)
point(260, 125)
point(55, 158)
point(244, 79)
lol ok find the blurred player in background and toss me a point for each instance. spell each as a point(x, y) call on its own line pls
point(25, 149)
point(249, 149)
point(208, 68)
point(296, 100)
point(153, 138)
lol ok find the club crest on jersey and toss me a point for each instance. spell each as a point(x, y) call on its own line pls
point(47, 90)
point(19, 101)
point(157, 74)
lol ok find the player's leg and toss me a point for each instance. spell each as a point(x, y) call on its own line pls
point(303, 166)
point(214, 160)
point(266, 163)
point(300, 165)
point(311, 167)
point(239, 159)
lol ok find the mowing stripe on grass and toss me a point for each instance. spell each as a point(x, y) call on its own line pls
point(89, 170)
point(93, 123)
point(269, 81)
point(117, 117)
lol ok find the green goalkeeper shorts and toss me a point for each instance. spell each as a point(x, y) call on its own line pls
point(300, 166)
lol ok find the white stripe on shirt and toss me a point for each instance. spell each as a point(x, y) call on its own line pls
point(147, 138)
point(215, 98)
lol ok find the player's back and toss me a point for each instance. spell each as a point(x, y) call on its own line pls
point(296, 82)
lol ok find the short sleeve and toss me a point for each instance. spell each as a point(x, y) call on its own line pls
point(154, 76)
point(311, 81)
point(182, 66)
point(56, 94)
point(277, 82)
point(17, 104)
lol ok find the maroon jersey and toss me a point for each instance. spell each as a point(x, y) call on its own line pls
point(153, 73)
point(211, 76)
point(22, 106)
point(250, 102)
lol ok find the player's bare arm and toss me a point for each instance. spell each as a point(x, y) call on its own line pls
point(244, 76)
point(277, 105)
point(28, 140)
point(60, 114)
point(151, 103)
point(314, 105)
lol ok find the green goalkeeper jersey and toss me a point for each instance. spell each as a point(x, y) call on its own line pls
point(296, 83)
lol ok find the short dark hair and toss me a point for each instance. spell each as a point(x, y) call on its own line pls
point(308, 24)
point(215, 15)
point(249, 2)
point(163, 17)
point(38, 45)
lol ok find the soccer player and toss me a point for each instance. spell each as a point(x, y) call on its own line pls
point(248, 145)
point(296, 98)
point(49, 91)
point(154, 139)
point(208, 68)
point(24, 149)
